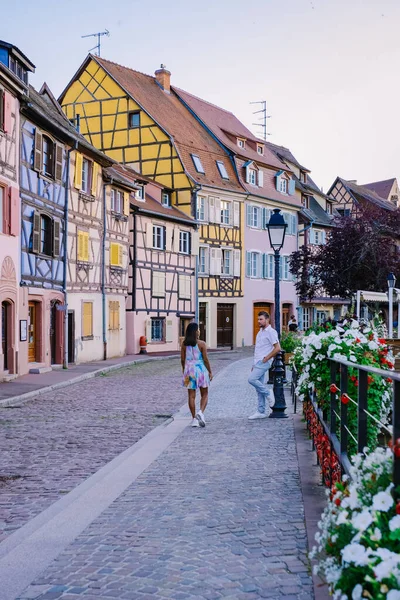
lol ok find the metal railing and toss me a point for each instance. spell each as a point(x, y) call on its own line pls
point(335, 419)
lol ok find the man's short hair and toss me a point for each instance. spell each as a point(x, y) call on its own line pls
point(263, 313)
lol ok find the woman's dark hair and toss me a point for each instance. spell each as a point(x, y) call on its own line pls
point(190, 335)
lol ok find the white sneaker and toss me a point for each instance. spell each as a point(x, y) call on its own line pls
point(258, 415)
point(201, 419)
point(195, 423)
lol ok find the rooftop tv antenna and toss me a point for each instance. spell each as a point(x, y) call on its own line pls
point(98, 35)
point(263, 117)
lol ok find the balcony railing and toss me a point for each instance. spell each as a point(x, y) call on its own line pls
point(334, 421)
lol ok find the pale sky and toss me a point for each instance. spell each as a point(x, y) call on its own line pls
point(329, 69)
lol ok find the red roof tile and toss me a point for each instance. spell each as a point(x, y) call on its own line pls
point(188, 134)
point(227, 128)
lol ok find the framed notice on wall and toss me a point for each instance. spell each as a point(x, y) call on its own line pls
point(23, 331)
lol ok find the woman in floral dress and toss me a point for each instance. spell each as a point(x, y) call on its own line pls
point(196, 372)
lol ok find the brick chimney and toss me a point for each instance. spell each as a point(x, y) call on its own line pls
point(163, 78)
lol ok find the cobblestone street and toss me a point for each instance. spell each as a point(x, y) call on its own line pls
point(51, 444)
point(219, 514)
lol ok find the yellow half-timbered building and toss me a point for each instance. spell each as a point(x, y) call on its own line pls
point(139, 120)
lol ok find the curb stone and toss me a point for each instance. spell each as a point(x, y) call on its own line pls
point(22, 398)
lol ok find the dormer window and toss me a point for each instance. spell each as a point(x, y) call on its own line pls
point(241, 143)
point(305, 202)
point(253, 176)
point(166, 199)
point(283, 186)
point(303, 177)
point(260, 149)
point(197, 163)
point(329, 208)
point(222, 170)
point(140, 193)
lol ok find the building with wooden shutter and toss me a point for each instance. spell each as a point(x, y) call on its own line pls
point(14, 68)
point(162, 269)
point(140, 121)
point(269, 183)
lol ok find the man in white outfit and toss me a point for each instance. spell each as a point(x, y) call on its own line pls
point(267, 346)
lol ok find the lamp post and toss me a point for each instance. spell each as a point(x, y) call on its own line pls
point(391, 279)
point(276, 232)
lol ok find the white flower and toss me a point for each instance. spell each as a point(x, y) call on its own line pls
point(384, 569)
point(362, 520)
point(353, 358)
point(394, 523)
point(351, 501)
point(382, 501)
point(357, 592)
point(393, 595)
point(373, 345)
point(355, 553)
point(377, 535)
point(342, 518)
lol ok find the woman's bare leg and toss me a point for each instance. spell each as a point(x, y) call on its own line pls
point(192, 402)
point(204, 399)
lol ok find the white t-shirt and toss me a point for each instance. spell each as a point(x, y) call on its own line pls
point(265, 340)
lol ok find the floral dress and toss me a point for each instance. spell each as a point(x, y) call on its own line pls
point(195, 374)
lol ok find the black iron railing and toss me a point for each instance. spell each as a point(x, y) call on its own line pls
point(334, 421)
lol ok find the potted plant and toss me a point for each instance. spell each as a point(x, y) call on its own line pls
point(289, 342)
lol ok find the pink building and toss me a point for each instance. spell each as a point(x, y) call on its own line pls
point(14, 67)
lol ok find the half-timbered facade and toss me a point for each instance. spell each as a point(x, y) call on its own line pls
point(349, 196)
point(43, 195)
point(139, 120)
point(13, 84)
point(162, 268)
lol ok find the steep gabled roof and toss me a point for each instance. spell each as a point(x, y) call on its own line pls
point(226, 127)
point(171, 115)
point(381, 188)
point(44, 106)
point(362, 194)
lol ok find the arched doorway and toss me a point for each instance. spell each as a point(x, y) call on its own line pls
point(7, 337)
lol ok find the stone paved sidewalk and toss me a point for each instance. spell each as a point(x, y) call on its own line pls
point(219, 515)
point(52, 443)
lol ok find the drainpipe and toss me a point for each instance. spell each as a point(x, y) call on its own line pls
point(196, 272)
point(134, 262)
point(103, 272)
point(66, 206)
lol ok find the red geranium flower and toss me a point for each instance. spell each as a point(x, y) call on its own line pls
point(345, 399)
point(333, 388)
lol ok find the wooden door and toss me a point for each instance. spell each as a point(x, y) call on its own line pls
point(4, 333)
point(225, 325)
point(257, 307)
point(71, 336)
point(53, 333)
point(285, 317)
point(203, 321)
point(183, 323)
point(32, 332)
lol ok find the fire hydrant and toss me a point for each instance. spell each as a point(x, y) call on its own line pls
point(143, 344)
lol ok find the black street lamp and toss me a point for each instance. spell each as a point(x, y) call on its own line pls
point(276, 232)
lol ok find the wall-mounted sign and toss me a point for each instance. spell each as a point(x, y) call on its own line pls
point(23, 331)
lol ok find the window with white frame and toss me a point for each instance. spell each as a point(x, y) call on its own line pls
point(225, 212)
point(86, 176)
point(222, 170)
point(255, 217)
point(117, 201)
point(283, 186)
point(241, 143)
point(226, 262)
point(329, 208)
point(159, 237)
point(184, 242)
point(260, 149)
point(253, 176)
point(140, 193)
point(201, 208)
point(203, 260)
point(185, 287)
point(317, 236)
point(291, 222)
point(255, 264)
point(307, 318)
point(321, 317)
point(284, 272)
point(166, 199)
